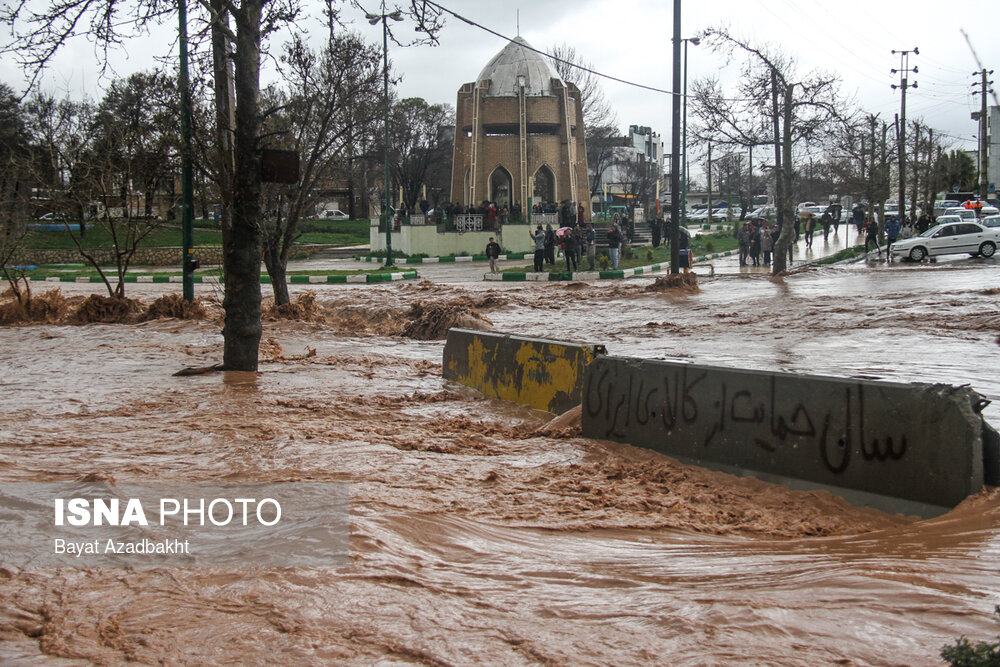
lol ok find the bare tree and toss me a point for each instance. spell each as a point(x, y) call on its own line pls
point(769, 93)
point(36, 35)
point(601, 154)
point(599, 119)
point(572, 68)
point(331, 98)
point(13, 183)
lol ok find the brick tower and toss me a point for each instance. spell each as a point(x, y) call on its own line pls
point(518, 134)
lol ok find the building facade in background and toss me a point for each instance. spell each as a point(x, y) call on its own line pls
point(519, 135)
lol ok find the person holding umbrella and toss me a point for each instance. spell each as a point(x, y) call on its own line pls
point(568, 243)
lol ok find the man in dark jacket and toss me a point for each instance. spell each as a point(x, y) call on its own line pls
point(493, 254)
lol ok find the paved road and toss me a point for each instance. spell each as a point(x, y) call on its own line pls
point(474, 271)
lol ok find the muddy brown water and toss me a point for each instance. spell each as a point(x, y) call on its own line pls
point(478, 536)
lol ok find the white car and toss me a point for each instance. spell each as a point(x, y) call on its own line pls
point(949, 239)
point(992, 221)
point(962, 212)
point(942, 205)
point(334, 214)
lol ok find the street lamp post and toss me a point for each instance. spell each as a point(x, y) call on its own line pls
point(373, 19)
point(684, 142)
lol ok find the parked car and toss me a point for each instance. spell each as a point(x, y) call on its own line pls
point(992, 221)
point(950, 239)
point(945, 219)
point(962, 212)
point(942, 205)
point(334, 214)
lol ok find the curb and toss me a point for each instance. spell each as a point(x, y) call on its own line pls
point(264, 279)
point(619, 274)
point(444, 260)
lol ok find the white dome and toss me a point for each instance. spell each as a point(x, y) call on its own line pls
point(514, 62)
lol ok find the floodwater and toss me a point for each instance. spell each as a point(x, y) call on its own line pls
point(480, 535)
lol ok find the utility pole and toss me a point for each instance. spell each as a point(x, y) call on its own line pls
point(675, 147)
point(709, 218)
point(904, 69)
point(188, 263)
point(981, 116)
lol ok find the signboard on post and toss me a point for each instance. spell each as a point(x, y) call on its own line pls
point(278, 166)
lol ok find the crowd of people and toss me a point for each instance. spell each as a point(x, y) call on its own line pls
point(573, 240)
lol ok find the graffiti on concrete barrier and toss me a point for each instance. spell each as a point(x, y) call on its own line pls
point(681, 403)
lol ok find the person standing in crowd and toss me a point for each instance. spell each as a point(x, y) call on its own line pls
point(924, 222)
point(835, 211)
point(491, 216)
point(569, 246)
point(891, 234)
point(550, 245)
point(539, 238)
point(578, 243)
point(766, 244)
point(744, 241)
point(754, 245)
point(809, 223)
point(826, 221)
point(858, 216)
point(590, 238)
point(614, 243)
point(493, 254)
point(871, 233)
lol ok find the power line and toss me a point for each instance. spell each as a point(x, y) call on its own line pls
point(543, 53)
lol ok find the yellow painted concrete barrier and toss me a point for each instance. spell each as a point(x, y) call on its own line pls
point(544, 374)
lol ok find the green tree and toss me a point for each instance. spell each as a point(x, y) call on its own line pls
point(420, 147)
point(955, 170)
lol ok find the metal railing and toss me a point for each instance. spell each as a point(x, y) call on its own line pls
point(469, 223)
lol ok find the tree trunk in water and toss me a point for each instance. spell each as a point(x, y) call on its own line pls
point(242, 248)
point(784, 241)
point(778, 263)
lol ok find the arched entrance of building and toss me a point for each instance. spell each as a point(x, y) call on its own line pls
point(545, 186)
point(501, 184)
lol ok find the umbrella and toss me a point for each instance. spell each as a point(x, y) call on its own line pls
point(562, 231)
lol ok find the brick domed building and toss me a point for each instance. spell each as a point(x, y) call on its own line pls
point(519, 134)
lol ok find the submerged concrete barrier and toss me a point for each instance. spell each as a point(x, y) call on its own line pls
point(545, 374)
point(912, 448)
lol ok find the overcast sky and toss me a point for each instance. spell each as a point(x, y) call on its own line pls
point(630, 39)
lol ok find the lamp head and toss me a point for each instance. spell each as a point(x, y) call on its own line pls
point(695, 40)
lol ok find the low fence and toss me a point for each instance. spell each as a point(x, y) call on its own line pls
point(545, 374)
point(469, 223)
point(911, 448)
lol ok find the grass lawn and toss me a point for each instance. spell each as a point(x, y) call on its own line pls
point(720, 242)
point(840, 255)
point(98, 237)
point(326, 232)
